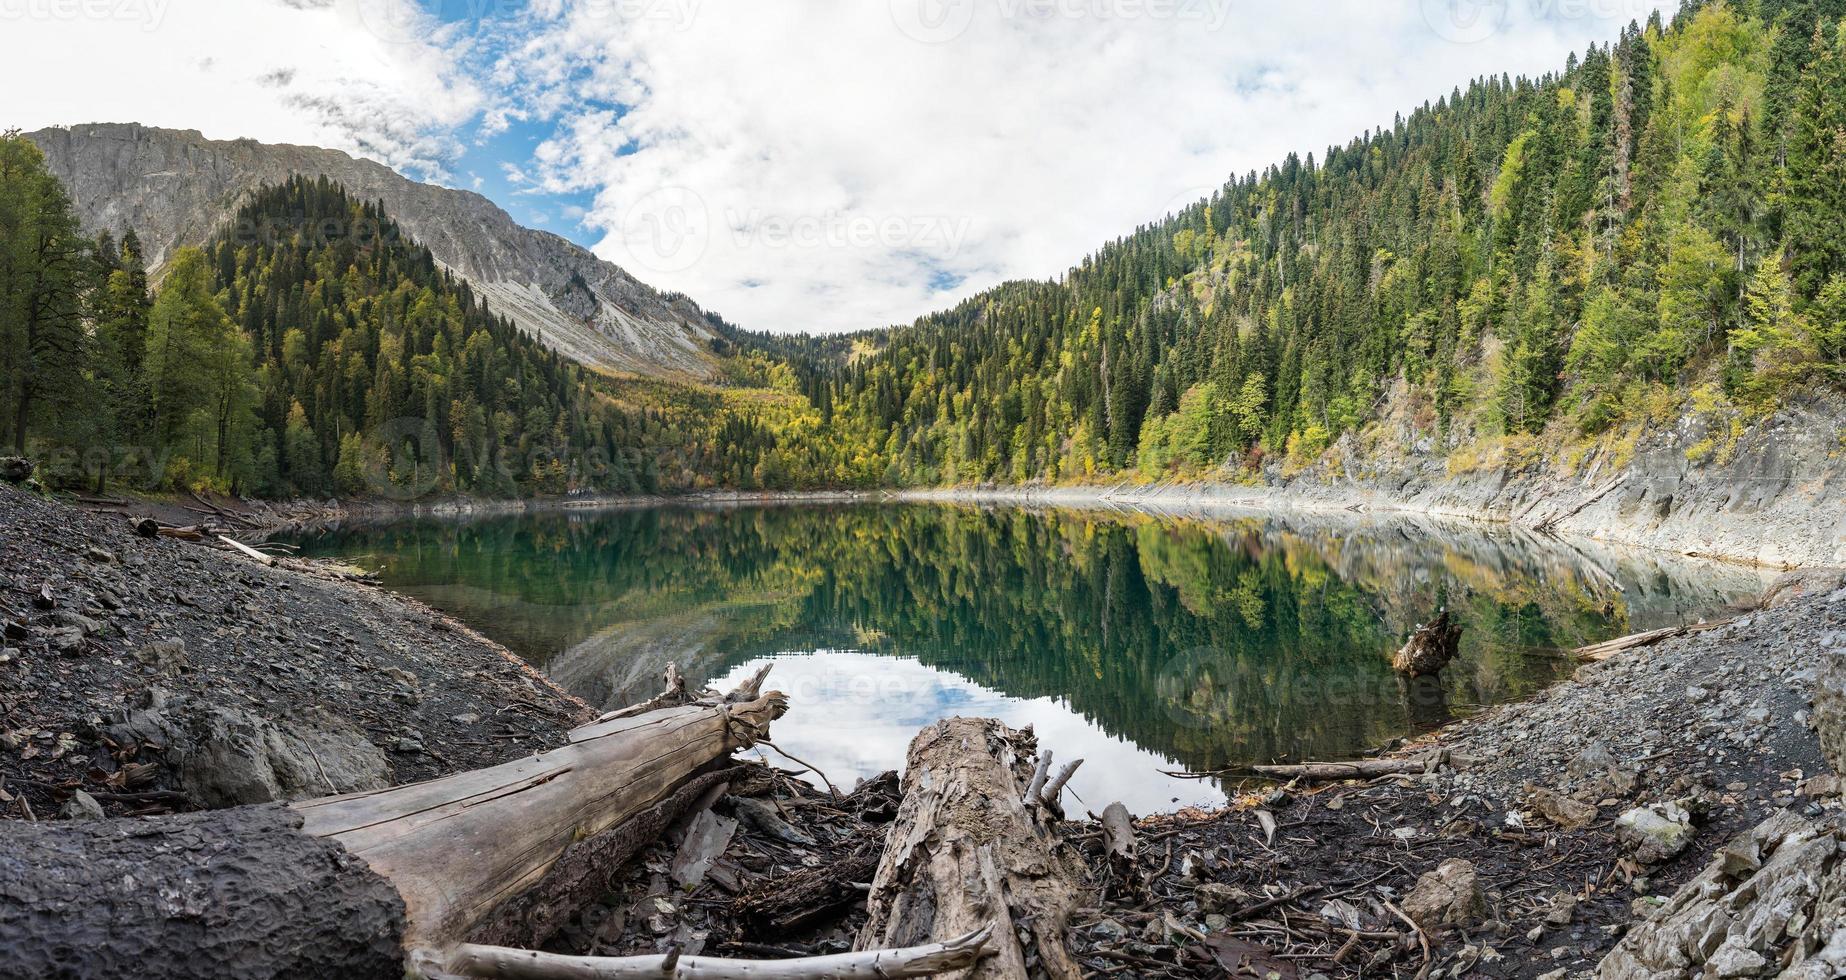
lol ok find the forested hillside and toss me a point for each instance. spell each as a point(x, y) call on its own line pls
point(310, 348)
point(1660, 227)
point(1521, 270)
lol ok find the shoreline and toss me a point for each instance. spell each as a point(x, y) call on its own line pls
point(1208, 499)
point(1530, 794)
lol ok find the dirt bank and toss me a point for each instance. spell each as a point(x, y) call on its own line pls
point(154, 674)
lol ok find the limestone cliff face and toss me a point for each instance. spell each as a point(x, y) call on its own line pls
point(177, 188)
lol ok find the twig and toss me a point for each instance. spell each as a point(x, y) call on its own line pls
point(811, 766)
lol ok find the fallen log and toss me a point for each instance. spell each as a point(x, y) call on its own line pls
point(967, 852)
point(807, 897)
point(1326, 772)
point(468, 960)
point(1608, 648)
point(246, 550)
point(359, 885)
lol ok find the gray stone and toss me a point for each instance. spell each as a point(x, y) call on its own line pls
point(166, 656)
point(1733, 959)
point(81, 806)
point(1655, 833)
point(232, 757)
point(1215, 897)
point(1448, 897)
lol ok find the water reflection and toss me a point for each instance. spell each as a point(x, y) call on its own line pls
point(873, 706)
point(1205, 643)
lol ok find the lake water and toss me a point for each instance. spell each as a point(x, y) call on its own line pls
point(1139, 643)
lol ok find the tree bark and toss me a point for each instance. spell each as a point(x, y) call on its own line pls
point(966, 853)
point(230, 893)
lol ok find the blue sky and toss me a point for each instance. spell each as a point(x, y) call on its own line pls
point(820, 165)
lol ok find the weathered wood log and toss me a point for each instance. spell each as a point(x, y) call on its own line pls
point(967, 852)
point(351, 886)
point(588, 868)
point(246, 550)
point(672, 697)
point(1596, 652)
point(499, 963)
point(1328, 772)
point(459, 847)
point(1430, 648)
point(1119, 845)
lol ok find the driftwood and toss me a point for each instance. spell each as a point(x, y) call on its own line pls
point(1430, 648)
point(807, 897)
point(1602, 651)
point(246, 550)
point(1328, 772)
point(360, 885)
point(1121, 848)
point(927, 960)
point(967, 852)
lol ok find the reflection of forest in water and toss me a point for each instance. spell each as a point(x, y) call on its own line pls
point(1210, 642)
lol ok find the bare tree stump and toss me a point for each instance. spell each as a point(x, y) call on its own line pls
point(966, 853)
point(1430, 648)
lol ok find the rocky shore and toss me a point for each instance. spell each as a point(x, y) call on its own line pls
point(1574, 835)
point(1672, 811)
point(144, 675)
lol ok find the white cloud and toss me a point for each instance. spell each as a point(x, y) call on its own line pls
point(280, 71)
point(808, 165)
point(815, 166)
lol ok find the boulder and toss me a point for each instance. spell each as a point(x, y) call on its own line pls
point(227, 756)
point(1655, 833)
point(1561, 810)
point(1448, 897)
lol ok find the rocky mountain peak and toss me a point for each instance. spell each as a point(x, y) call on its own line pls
point(177, 187)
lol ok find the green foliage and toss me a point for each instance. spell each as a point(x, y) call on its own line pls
point(1521, 253)
point(45, 268)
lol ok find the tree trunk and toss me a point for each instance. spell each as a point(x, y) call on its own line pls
point(967, 853)
point(350, 886)
point(1430, 648)
point(230, 893)
point(459, 847)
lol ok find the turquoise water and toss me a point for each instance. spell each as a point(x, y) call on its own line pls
point(1139, 643)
